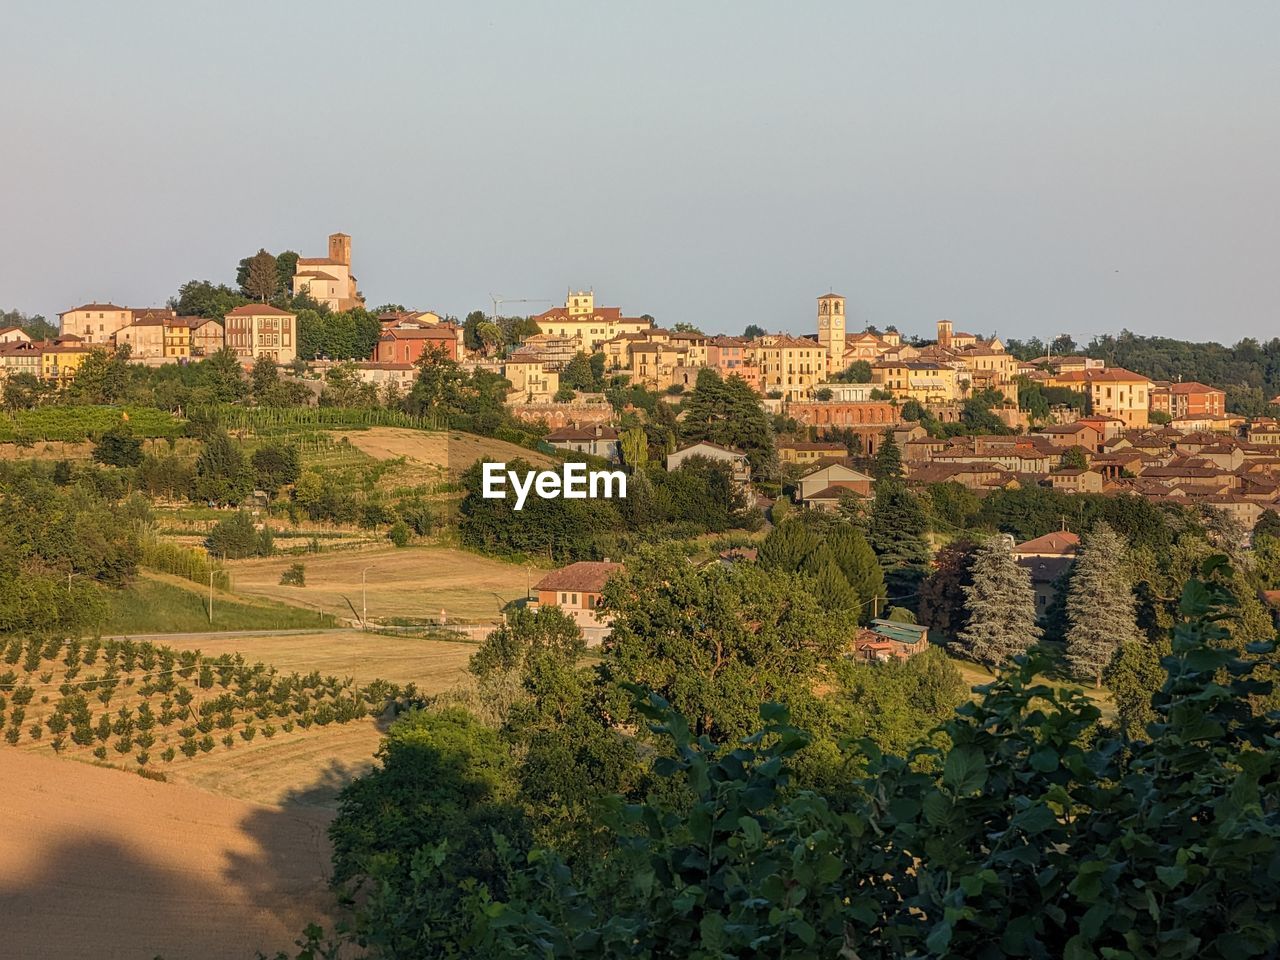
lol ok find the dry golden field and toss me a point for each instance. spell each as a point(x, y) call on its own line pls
point(102, 863)
point(414, 583)
point(451, 451)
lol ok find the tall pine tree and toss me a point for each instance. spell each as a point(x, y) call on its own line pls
point(1001, 604)
point(1100, 605)
point(896, 532)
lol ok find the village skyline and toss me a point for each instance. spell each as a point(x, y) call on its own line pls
point(1023, 172)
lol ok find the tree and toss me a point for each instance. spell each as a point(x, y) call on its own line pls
point(942, 594)
point(1063, 344)
point(577, 373)
point(728, 412)
point(274, 465)
point(787, 547)
point(200, 298)
point(1267, 525)
point(1100, 605)
point(118, 447)
point(857, 561)
point(525, 634)
point(897, 533)
point(888, 464)
point(264, 376)
point(857, 372)
point(718, 641)
point(235, 538)
point(1001, 604)
point(222, 474)
point(753, 332)
point(635, 448)
point(286, 267)
point(262, 277)
point(685, 327)
point(1073, 458)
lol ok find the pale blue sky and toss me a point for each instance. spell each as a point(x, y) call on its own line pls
point(1017, 167)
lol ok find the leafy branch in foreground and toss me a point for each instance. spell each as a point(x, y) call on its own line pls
point(1033, 833)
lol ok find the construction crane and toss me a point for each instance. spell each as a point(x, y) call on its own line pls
point(499, 301)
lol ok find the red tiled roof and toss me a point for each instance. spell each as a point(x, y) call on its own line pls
point(587, 576)
point(1058, 542)
point(259, 310)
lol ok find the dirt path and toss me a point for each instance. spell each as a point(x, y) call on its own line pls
point(101, 863)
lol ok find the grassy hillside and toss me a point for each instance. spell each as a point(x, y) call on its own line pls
point(152, 605)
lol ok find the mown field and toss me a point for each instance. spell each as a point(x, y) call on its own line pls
point(413, 583)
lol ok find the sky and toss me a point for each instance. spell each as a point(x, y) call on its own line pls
point(1026, 169)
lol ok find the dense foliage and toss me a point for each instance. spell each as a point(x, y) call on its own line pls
point(1024, 830)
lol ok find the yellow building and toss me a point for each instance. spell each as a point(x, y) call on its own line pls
point(790, 366)
point(95, 322)
point(328, 280)
point(592, 326)
point(831, 331)
point(1113, 392)
point(60, 359)
point(156, 339)
point(261, 330)
point(532, 379)
point(922, 380)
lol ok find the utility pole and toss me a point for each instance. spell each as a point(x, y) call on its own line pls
point(364, 600)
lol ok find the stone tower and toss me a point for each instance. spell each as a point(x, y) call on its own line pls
point(831, 330)
point(340, 248)
point(944, 334)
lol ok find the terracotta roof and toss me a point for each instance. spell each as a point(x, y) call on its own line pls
point(259, 310)
point(834, 492)
point(1109, 375)
point(319, 262)
point(588, 576)
point(1059, 542)
point(315, 275)
point(565, 434)
point(439, 332)
point(92, 306)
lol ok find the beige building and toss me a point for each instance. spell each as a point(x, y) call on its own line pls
point(261, 330)
point(157, 338)
point(95, 322)
point(790, 366)
point(328, 280)
point(14, 335)
point(922, 380)
point(831, 331)
point(580, 318)
point(1113, 392)
point(207, 336)
point(532, 379)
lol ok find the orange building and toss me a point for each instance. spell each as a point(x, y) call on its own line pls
point(408, 345)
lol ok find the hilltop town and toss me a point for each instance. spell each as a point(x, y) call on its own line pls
point(1068, 422)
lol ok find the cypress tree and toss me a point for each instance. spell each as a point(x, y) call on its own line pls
point(896, 533)
point(1100, 605)
point(787, 546)
point(828, 582)
point(857, 561)
point(1001, 604)
point(888, 465)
